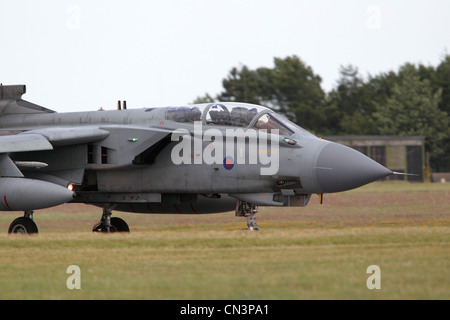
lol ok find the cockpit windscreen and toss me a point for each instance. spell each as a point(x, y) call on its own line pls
point(269, 122)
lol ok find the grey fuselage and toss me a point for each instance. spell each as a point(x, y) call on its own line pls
point(126, 157)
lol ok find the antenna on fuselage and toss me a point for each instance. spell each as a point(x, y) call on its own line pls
point(119, 105)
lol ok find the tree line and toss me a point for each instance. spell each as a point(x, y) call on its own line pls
point(415, 100)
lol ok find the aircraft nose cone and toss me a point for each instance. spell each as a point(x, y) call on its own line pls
point(341, 168)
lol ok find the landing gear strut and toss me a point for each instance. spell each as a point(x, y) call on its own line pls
point(109, 224)
point(248, 210)
point(24, 225)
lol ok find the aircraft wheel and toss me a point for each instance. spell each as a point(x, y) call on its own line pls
point(116, 225)
point(23, 225)
point(119, 225)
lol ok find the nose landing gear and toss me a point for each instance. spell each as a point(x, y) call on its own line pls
point(248, 210)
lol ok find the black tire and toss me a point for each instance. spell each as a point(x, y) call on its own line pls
point(23, 225)
point(119, 225)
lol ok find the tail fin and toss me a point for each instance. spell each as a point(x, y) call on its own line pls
point(11, 101)
point(12, 92)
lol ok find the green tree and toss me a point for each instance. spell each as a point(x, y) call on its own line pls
point(204, 99)
point(297, 92)
point(241, 85)
point(290, 87)
point(354, 103)
point(413, 109)
point(440, 80)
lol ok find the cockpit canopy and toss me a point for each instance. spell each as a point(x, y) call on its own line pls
point(236, 115)
point(233, 115)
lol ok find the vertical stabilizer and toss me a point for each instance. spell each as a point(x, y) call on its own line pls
point(11, 101)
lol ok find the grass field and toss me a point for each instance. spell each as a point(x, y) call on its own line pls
point(317, 252)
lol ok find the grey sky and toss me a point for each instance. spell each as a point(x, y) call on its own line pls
point(86, 54)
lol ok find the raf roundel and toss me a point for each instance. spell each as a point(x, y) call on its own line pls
point(228, 163)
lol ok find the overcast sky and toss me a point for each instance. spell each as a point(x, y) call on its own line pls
point(86, 54)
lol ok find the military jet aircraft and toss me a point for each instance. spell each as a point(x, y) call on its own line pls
point(192, 159)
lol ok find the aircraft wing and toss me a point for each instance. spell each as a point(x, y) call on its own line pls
point(47, 138)
point(23, 143)
point(62, 136)
point(132, 145)
point(18, 143)
point(41, 140)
